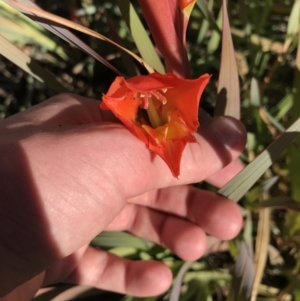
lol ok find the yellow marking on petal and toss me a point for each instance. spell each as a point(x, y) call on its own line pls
point(188, 9)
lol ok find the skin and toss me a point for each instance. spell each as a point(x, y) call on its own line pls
point(70, 171)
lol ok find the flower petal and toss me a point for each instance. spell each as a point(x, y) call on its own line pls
point(172, 100)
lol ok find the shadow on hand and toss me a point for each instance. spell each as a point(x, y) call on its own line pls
point(27, 245)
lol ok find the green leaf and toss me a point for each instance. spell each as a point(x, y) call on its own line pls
point(19, 29)
point(120, 239)
point(128, 62)
point(236, 188)
point(284, 106)
point(271, 119)
point(261, 248)
point(294, 19)
point(254, 93)
point(279, 202)
point(140, 36)
point(58, 30)
point(15, 55)
point(214, 41)
point(243, 275)
point(176, 289)
point(208, 16)
point(205, 23)
point(293, 25)
point(58, 26)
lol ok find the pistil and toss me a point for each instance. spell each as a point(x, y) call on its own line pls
point(153, 115)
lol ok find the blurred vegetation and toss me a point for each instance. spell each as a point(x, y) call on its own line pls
point(265, 36)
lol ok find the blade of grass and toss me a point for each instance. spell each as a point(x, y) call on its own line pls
point(59, 31)
point(15, 55)
point(254, 93)
point(208, 16)
point(228, 98)
point(293, 25)
point(242, 278)
point(270, 120)
point(120, 239)
point(65, 292)
point(205, 23)
point(261, 249)
point(140, 36)
point(127, 60)
point(243, 274)
point(58, 26)
point(284, 106)
point(278, 202)
point(214, 41)
point(207, 276)
point(175, 292)
point(15, 27)
point(259, 13)
point(293, 153)
point(236, 188)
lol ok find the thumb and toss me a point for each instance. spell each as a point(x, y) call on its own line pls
point(219, 142)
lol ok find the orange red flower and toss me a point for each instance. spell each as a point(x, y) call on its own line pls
point(160, 109)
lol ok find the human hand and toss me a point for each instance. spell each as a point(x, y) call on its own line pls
point(67, 174)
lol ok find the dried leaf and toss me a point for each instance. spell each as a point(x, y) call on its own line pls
point(254, 93)
point(30, 66)
point(58, 25)
point(293, 153)
point(243, 274)
point(228, 99)
point(261, 249)
point(176, 289)
point(127, 60)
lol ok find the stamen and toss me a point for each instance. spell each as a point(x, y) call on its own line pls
point(159, 97)
point(146, 101)
point(144, 98)
point(153, 115)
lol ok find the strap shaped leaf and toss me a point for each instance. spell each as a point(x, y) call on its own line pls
point(58, 26)
point(236, 188)
point(228, 99)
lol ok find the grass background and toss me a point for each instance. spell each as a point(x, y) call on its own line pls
point(265, 36)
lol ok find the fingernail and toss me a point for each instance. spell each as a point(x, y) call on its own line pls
point(229, 129)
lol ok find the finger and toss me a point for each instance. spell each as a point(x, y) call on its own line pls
point(221, 177)
point(222, 137)
point(71, 172)
point(25, 291)
point(75, 109)
point(135, 169)
point(106, 271)
point(189, 214)
point(185, 239)
point(95, 168)
point(216, 215)
point(219, 142)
